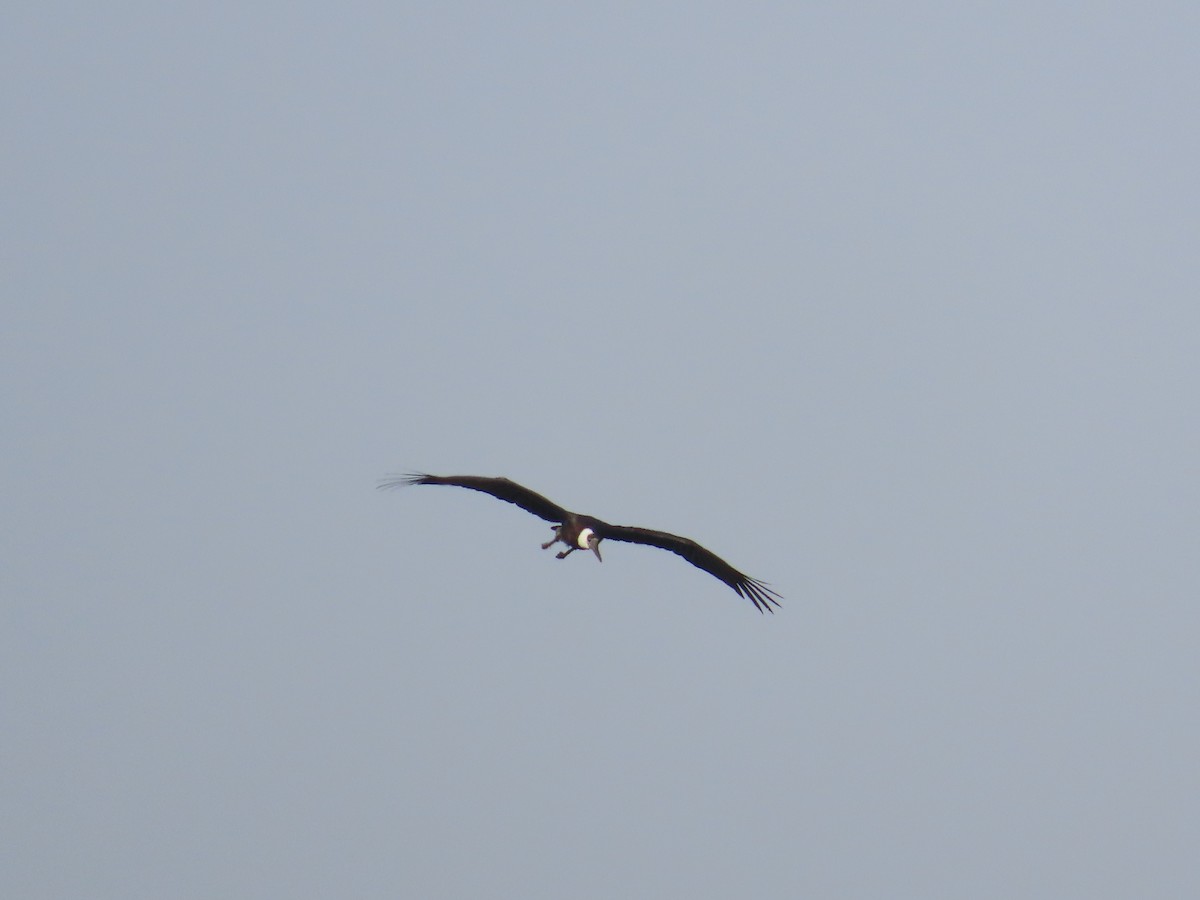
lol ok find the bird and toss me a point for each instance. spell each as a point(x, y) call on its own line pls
point(580, 532)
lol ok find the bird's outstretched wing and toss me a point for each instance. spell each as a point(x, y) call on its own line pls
point(501, 488)
point(758, 592)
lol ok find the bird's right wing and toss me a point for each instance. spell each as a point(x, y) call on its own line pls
point(500, 488)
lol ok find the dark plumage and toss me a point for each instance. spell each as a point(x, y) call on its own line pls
point(580, 532)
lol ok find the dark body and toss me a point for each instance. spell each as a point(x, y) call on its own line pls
point(581, 532)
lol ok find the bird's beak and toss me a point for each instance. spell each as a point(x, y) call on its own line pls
point(594, 543)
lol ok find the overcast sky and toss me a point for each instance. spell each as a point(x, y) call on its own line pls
point(895, 307)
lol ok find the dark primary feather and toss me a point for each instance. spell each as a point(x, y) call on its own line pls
point(758, 592)
point(500, 488)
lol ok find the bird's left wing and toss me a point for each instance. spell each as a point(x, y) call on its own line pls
point(758, 592)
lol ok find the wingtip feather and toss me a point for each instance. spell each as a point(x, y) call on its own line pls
point(389, 482)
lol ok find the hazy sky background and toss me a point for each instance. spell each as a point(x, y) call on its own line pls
point(894, 306)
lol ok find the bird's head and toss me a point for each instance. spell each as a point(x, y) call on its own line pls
point(589, 540)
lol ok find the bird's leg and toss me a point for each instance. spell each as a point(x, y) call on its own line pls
point(554, 540)
point(563, 554)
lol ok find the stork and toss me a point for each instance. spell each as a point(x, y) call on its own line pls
point(579, 532)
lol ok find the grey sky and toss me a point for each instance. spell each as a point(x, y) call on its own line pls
point(893, 306)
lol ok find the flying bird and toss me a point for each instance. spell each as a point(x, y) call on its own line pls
point(580, 532)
